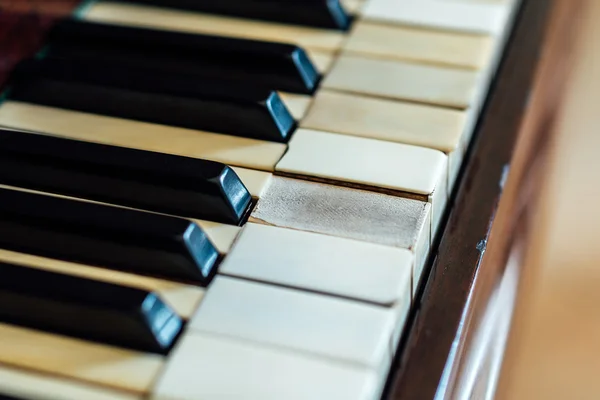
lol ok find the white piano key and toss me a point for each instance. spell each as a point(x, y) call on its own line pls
point(393, 121)
point(70, 358)
point(320, 263)
point(243, 152)
point(221, 235)
point(205, 366)
point(374, 163)
point(25, 384)
point(191, 22)
point(421, 125)
point(420, 45)
point(353, 6)
point(334, 328)
point(184, 299)
point(255, 181)
point(470, 17)
point(297, 104)
point(364, 161)
point(347, 213)
point(321, 59)
point(443, 86)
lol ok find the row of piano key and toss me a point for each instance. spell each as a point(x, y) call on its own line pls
point(296, 270)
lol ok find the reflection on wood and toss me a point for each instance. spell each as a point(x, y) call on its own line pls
point(511, 227)
point(554, 347)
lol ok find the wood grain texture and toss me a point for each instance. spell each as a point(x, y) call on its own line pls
point(436, 319)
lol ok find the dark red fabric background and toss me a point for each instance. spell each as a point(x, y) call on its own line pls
point(23, 25)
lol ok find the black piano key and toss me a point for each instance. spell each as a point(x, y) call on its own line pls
point(106, 236)
point(86, 309)
point(146, 180)
point(5, 397)
point(173, 100)
point(316, 13)
point(270, 65)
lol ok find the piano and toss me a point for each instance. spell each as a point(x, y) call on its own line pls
point(267, 199)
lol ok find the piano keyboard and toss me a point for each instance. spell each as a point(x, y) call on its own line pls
point(230, 200)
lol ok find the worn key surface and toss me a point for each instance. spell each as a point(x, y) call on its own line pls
point(111, 237)
point(416, 171)
point(88, 309)
point(263, 63)
point(152, 181)
point(316, 13)
point(348, 213)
